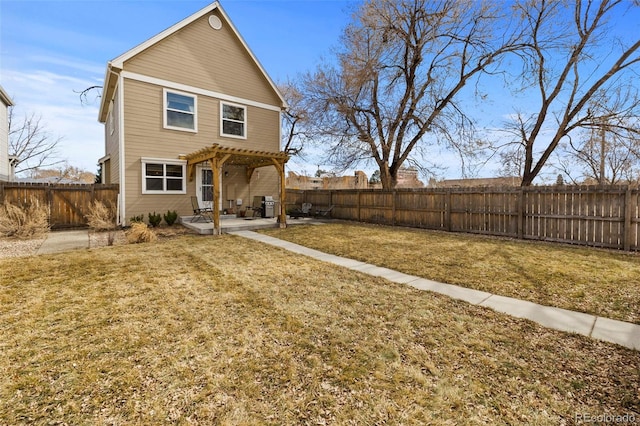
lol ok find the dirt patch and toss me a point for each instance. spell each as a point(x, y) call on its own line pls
point(13, 247)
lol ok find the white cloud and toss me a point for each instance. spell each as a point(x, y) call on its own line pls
point(54, 97)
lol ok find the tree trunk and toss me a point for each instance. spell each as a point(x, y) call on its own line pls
point(388, 178)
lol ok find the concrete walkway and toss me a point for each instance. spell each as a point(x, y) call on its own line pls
point(60, 241)
point(608, 330)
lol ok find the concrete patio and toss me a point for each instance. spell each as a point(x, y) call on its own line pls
point(231, 223)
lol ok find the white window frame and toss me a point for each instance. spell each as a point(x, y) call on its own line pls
point(222, 119)
point(165, 109)
point(164, 162)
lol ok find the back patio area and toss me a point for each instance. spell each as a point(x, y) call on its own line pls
point(231, 223)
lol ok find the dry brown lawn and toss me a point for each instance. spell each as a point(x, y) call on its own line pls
point(600, 282)
point(205, 330)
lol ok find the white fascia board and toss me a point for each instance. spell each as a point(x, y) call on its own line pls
point(255, 59)
point(195, 90)
point(119, 61)
point(4, 97)
point(111, 75)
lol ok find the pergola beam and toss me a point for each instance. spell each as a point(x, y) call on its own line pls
point(217, 156)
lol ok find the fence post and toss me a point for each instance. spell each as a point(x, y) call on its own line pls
point(520, 206)
point(49, 197)
point(394, 194)
point(628, 211)
point(358, 203)
point(447, 210)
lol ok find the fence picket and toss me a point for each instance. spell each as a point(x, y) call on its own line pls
point(584, 215)
point(68, 203)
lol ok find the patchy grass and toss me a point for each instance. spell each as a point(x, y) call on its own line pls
point(598, 282)
point(204, 330)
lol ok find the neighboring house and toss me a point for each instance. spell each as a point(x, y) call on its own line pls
point(191, 112)
point(357, 181)
point(49, 180)
point(6, 163)
point(408, 178)
point(477, 182)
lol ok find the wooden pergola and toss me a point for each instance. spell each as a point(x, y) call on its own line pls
point(217, 156)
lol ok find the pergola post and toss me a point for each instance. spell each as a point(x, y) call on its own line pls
point(215, 171)
point(282, 218)
point(216, 165)
point(217, 155)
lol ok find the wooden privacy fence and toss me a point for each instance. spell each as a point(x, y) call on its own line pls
point(68, 203)
point(607, 217)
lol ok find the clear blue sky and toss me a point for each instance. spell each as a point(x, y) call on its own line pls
point(51, 48)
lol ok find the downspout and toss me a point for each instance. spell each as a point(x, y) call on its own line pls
point(122, 163)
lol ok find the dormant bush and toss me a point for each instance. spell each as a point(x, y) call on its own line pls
point(140, 233)
point(102, 218)
point(28, 220)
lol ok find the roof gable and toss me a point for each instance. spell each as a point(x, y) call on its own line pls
point(116, 65)
point(4, 97)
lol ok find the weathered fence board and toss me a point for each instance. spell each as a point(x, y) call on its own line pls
point(68, 203)
point(607, 217)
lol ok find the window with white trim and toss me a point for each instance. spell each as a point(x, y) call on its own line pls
point(163, 176)
point(180, 111)
point(233, 120)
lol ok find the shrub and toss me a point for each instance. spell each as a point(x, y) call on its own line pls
point(155, 219)
point(171, 217)
point(26, 221)
point(102, 218)
point(140, 233)
point(137, 219)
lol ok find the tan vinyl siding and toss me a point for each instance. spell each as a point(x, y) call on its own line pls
point(202, 57)
point(107, 174)
point(146, 137)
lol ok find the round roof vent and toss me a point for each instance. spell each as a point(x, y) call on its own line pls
point(215, 22)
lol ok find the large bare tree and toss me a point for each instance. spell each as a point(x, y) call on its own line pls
point(580, 73)
point(395, 89)
point(31, 143)
point(296, 129)
point(609, 155)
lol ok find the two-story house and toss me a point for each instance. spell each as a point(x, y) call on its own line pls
point(6, 163)
point(192, 112)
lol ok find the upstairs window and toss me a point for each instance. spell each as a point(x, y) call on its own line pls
point(180, 111)
point(233, 120)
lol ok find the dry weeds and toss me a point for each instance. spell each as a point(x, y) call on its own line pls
point(203, 330)
point(27, 221)
point(595, 281)
point(140, 233)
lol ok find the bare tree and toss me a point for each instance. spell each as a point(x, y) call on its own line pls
point(65, 172)
point(395, 90)
point(296, 130)
point(605, 155)
point(576, 85)
point(94, 91)
point(31, 143)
